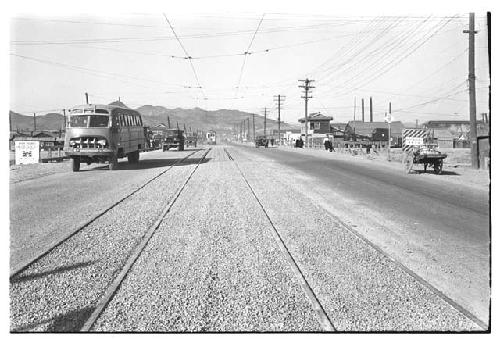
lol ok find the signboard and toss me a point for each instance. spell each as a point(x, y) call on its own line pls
point(388, 118)
point(412, 141)
point(27, 152)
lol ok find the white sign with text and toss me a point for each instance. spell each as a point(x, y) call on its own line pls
point(27, 152)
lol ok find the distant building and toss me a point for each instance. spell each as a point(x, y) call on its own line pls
point(317, 124)
point(455, 133)
point(374, 131)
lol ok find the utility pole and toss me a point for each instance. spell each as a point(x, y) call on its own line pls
point(307, 87)
point(177, 124)
point(389, 119)
point(184, 128)
point(253, 122)
point(280, 100)
point(248, 128)
point(87, 98)
point(265, 121)
point(34, 122)
point(472, 95)
point(168, 120)
point(64, 114)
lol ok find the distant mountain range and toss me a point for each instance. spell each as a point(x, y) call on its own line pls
point(222, 121)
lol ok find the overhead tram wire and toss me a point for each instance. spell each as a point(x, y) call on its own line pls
point(246, 55)
point(92, 71)
point(161, 38)
point(187, 56)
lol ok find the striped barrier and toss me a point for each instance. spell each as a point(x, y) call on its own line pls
point(413, 137)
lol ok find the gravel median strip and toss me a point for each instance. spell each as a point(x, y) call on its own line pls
point(212, 266)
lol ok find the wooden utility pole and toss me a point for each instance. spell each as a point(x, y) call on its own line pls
point(472, 95)
point(265, 121)
point(64, 114)
point(168, 121)
point(248, 129)
point(280, 98)
point(253, 122)
point(389, 119)
point(307, 87)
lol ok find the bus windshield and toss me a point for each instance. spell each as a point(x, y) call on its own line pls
point(89, 121)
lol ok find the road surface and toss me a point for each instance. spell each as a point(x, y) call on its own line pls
point(246, 239)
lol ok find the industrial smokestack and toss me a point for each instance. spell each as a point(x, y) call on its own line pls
point(87, 98)
point(363, 109)
point(371, 110)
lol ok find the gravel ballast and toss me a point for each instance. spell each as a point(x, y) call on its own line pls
point(58, 292)
point(213, 265)
point(360, 288)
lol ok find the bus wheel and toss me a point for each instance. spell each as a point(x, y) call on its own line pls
point(75, 164)
point(113, 162)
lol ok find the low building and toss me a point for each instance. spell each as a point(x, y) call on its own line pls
point(317, 124)
point(374, 131)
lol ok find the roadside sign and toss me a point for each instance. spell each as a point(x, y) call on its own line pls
point(27, 152)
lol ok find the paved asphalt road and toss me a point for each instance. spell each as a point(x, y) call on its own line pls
point(219, 256)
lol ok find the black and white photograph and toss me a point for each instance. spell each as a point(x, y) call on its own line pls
point(249, 167)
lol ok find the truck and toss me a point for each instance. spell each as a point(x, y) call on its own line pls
point(174, 138)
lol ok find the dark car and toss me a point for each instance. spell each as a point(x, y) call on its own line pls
point(261, 141)
point(174, 138)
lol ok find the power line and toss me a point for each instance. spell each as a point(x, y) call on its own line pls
point(187, 55)
point(246, 54)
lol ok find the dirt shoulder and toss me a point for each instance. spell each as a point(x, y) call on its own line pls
point(456, 170)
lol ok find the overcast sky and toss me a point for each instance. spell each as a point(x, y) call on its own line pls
point(418, 61)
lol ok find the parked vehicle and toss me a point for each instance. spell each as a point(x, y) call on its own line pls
point(191, 139)
point(174, 138)
point(99, 133)
point(261, 140)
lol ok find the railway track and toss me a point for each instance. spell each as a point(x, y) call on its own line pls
point(324, 319)
point(18, 269)
point(90, 314)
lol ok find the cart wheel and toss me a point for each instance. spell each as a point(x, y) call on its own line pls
point(438, 166)
point(408, 162)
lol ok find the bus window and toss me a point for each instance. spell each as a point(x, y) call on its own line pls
point(140, 120)
point(78, 120)
point(99, 121)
